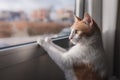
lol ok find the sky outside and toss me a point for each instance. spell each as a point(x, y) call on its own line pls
point(28, 5)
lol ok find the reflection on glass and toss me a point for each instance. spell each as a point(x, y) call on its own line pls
point(20, 18)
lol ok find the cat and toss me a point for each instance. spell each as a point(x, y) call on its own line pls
point(84, 61)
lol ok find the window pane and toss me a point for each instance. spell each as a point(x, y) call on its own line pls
point(28, 18)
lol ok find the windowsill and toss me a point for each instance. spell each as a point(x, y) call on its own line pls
point(5, 42)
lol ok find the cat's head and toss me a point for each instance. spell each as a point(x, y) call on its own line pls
point(81, 29)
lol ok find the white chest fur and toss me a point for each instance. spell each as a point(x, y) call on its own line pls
point(85, 54)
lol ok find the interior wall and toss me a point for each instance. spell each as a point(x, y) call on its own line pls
point(109, 21)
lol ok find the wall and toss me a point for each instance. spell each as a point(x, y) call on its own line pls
point(108, 29)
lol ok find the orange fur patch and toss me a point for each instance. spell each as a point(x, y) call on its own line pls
point(85, 72)
point(81, 26)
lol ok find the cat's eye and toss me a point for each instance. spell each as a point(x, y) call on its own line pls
point(85, 22)
point(76, 31)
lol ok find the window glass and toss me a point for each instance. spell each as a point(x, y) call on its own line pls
point(30, 18)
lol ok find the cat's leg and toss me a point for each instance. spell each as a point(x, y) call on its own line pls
point(49, 42)
point(54, 51)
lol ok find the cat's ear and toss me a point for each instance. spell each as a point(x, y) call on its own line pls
point(88, 20)
point(76, 18)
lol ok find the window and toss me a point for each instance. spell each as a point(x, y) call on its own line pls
point(21, 19)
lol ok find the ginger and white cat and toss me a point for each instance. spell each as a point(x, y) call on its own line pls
point(84, 61)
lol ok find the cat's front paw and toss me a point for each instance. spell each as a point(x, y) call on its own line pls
point(48, 39)
point(44, 41)
point(41, 41)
